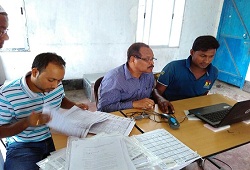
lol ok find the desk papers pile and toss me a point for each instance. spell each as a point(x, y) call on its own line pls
point(115, 152)
point(77, 122)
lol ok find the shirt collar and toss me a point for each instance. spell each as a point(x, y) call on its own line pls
point(26, 88)
point(127, 73)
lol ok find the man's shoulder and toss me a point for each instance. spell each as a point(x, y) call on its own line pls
point(213, 69)
point(115, 72)
point(149, 75)
point(176, 64)
point(9, 85)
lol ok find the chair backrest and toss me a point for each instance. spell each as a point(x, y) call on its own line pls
point(3, 142)
point(156, 76)
point(96, 88)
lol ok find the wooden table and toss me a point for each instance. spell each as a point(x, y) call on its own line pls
point(194, 134)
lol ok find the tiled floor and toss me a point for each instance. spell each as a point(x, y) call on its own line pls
point(230, 91)
point(236, 159)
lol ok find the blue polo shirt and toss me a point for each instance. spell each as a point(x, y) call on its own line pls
point(119, 89)
point(181, 82)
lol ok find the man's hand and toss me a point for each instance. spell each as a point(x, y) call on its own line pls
point(38, 119)
point(165, 106)
point(145, 103)
point(82, 106)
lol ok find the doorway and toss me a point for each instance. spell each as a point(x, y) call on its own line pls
point(233, 56)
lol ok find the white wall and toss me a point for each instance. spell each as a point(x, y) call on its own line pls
point(93, 35)
point(248, 74)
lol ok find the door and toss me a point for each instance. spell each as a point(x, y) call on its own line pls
point(232, 57)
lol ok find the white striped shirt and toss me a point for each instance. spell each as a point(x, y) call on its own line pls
point(17, 102)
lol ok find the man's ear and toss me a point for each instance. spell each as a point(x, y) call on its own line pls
point(132, 59)
point(34, 72)
point(192, 52)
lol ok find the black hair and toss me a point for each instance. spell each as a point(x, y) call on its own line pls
point(205, 42)
point(4, 13)
point(134, 49)
point(42, 60)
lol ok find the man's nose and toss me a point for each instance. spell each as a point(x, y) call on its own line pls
point(54, 84)
point(207, 60)
point(5, 37)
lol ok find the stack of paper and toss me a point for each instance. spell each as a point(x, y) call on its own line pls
point(93, 154)
point(157, 149)
point(172, 152)
point(56, 161)
point(78, 122)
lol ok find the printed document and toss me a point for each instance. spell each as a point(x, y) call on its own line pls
point(77, 122)
point(108, 153)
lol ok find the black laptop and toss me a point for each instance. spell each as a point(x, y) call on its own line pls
point(223, 114)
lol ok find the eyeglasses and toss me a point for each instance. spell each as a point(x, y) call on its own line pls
point(146, 59)
point(2, 32)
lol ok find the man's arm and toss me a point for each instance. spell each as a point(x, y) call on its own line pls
point(110, 101)
point(67, 104)
point(35, 119)
point(160, 100)
point(13, 129)
point(145, 103)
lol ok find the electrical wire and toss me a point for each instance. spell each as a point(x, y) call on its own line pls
point(223, 162)
point(203, 163)
point(150, 114)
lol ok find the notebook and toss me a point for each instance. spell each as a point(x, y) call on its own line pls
point(222, 114)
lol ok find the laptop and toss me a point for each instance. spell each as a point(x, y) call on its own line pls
point(223, 114)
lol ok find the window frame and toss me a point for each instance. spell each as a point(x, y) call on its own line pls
point(17, 30)
point(148, 29)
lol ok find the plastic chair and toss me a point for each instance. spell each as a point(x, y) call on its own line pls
point(2, 141)
point(96, 88)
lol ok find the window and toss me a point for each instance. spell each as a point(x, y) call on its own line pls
point(160, 22)
point(17, 29)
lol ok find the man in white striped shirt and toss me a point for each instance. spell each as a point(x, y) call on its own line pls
point(21, 105)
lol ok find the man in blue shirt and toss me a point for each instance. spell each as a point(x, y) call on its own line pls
point(21, 104)
point(129, 85)
point(190, 77)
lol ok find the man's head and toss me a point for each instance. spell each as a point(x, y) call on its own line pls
point(3, 26)
point(140, 58)
point(203, 51)
point(48, 71)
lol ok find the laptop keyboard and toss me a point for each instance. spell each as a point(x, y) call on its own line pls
point(216, 116)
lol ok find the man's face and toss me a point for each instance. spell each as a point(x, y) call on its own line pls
point(202, 59)
point(48, 79)
point(3, 27)
point(145, 63)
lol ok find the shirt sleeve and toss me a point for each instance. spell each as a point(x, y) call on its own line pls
point(167, 74)
point(6, 110)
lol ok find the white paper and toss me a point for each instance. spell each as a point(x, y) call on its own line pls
point(113, 123)
point(1, 160)
point(78, 122)
point(190, 116)
point(75, 121)
point(56, 161)
point(173, 153)
point(218, 129)
point(246, 121)
point(108, 153)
